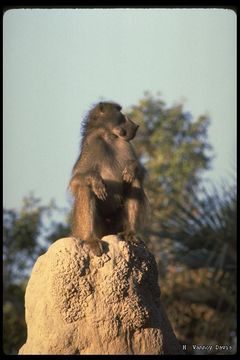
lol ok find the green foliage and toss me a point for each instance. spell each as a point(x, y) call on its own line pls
point(210, 216)
point(203, 289)
point(14, 325)
point(20, 234)
point(174, 150)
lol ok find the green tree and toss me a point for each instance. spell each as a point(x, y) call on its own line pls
point(174, 150)
point(203, 289)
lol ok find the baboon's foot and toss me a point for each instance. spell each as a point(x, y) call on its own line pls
point(130, 236)
point(96, 247)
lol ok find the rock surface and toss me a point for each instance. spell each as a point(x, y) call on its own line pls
point(77, 303)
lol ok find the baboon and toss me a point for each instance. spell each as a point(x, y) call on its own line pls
point(107, 179)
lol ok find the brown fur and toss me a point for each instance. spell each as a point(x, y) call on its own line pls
point(107, 179)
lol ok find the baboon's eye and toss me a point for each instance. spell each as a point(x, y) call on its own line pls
point(121, 119)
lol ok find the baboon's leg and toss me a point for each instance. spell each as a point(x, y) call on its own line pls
point(134, 211)
point(85, 222)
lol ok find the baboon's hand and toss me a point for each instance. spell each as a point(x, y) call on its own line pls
point(130, 171)
point(73, 186)
point(96, 247)
point(99, 188)
point(128, 175)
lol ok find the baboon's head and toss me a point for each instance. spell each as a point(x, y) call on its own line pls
point(109, 116)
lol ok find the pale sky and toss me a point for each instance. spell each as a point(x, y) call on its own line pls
point(58, 62)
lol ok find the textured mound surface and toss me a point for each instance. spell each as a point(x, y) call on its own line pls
point(77, 303)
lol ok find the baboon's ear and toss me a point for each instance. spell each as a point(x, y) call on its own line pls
point(101, 107)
